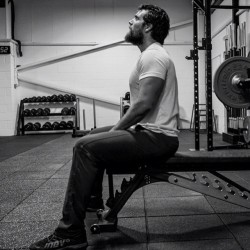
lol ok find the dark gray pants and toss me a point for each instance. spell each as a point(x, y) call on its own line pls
point(99, 150)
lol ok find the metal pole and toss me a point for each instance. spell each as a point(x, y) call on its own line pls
point(196, 79)
point(94, 113)
point(77, 116)
point(209, 77)
point(121, 107)
point(246, 7)
point(84, 119)
point(67, 56)
point(235, 23)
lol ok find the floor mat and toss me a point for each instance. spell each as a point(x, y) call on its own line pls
point(14, 145)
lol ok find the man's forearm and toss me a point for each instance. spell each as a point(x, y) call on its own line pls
point(134, 115)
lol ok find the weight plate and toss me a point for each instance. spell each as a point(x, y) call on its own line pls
point(229, 94)
point(246, 131)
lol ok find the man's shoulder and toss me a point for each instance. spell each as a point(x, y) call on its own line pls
point(155, 54)
point(156, 50)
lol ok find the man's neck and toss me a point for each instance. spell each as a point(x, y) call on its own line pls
point(146, 44)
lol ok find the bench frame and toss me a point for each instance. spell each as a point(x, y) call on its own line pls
point(206, 180)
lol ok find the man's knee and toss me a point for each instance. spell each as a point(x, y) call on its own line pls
point(83, 149)
point(79, 145)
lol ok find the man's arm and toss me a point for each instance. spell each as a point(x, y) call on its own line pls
point(150, 91)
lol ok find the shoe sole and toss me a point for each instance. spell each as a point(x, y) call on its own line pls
point(79, 246)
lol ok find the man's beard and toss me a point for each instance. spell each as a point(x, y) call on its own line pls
point(135, 38)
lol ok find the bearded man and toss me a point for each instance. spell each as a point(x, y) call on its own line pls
point(146, 133)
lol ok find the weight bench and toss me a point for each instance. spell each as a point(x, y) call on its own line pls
point(206, 179)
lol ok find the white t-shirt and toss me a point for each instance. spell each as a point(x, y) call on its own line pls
point(155, 62)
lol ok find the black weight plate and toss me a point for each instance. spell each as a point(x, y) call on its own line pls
point(226, 92)
point(246, 132)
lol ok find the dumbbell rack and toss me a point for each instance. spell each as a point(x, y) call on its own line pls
point(124, 104)
point(54, 116)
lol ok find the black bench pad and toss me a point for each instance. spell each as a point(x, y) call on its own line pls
point(217, 160)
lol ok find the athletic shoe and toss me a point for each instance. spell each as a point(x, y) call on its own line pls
point(56, 242)
point(95, 203)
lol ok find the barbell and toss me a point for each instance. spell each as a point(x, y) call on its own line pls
point(232, 82)
point(232, 86)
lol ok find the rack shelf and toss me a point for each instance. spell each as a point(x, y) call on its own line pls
point(53, 121)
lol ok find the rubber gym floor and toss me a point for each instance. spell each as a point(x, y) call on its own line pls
point(34, 171)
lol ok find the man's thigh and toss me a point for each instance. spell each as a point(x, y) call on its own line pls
point(127, 146)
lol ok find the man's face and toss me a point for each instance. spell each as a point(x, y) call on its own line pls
point(135, 34)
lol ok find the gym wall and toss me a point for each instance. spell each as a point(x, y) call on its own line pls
point(51, 28)
point(2, 23)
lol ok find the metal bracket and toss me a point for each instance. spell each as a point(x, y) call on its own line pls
point(208, 184)
point(205, 45)
point(192, 56)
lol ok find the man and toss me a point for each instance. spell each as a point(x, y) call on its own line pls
point(146, 133)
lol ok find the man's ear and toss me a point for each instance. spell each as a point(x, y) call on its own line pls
point(148, 27)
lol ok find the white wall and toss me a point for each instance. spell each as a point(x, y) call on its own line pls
point(72, 25)
point(8, 100)
point(2, 23)
point(84, 21)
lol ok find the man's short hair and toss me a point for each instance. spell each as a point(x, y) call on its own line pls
point(159, 19)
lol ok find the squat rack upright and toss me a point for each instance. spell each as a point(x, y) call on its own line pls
point(206, 8)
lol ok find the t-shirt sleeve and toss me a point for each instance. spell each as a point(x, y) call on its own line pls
point(153, 64)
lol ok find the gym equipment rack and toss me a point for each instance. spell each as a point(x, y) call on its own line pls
point(206, 8)
point(56, 116)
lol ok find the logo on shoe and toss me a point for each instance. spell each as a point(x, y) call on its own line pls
point(55, 244)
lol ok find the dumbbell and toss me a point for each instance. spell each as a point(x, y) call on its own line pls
point(33, 112)
point(62, 125)
point(127, 96)
point(43, 99)
point(72, 98)
point(26, 112)
point(69, 124)
point(66, 98)
point(25, 100)
point(72, 111)
point(55, 125)
point(53, 98)
point(125, 109)
point(48, 99)
point(60, 98)
point(28, 126)
point(65, 111)
point(39, 112)
point(46, 111)
point(38, 99)
point(36, 126)
point(47, 126)
point(32, 99)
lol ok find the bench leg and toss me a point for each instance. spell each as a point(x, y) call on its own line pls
point(110, 200)
point(107, 220)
